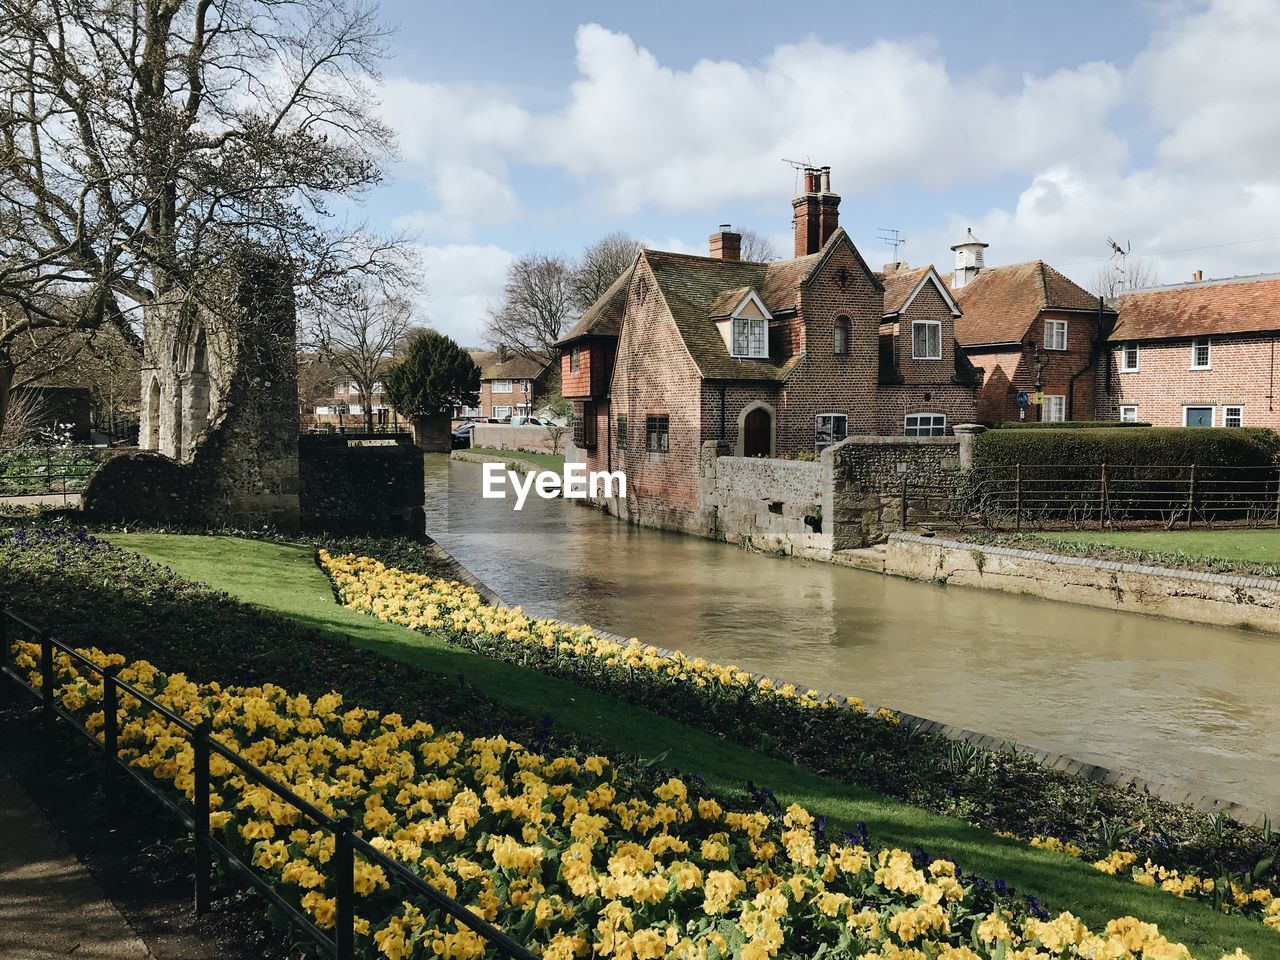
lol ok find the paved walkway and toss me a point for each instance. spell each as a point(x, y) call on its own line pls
point(49, 904)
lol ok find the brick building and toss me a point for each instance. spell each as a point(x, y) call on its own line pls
point(1195, 354)
point(777, 359)
point(344, 408)
point(1032, 331)
point(510, 385)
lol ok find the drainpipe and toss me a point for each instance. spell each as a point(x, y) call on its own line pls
point(1095, 349)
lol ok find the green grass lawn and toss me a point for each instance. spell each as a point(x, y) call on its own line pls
point(1229, 546)
point(548, 461)
point(284, 578)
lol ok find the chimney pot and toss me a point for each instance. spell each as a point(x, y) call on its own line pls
point(826, 179)
point(1198, 276)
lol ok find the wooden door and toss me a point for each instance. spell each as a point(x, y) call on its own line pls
point(757, 433)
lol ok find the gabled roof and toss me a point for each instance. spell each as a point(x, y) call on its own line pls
point(1001, 303)
point(1235, 305)
point(903, 286)
point(514, 367)
point(604, 317)
point(836, 240)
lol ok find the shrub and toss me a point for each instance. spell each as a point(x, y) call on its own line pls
point(1065, 424)
point(1155, 446)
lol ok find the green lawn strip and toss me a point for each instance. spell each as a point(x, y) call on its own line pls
point(1235, 546)
point(283, 578)
point(548, 461)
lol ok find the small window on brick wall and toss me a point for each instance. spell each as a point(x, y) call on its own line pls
point(657, 433)
point(620, 433)
point(575, 359)
point(584, 424)
point(840, 337)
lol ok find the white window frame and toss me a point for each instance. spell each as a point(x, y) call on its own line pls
point(1060, 405)
point(1226, 414)
point(324, 411)
point(501, 413)
point(1129, 408)
point(500, 386)
point(471, 412)
point(754, 328)
point(817, 420)
point(1051, 328)
point(1125, 366)
point(930, 431)
point(1196, 344)
point(1213, 413)
point(933, 328)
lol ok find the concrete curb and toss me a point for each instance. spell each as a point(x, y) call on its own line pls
point(1248, 816)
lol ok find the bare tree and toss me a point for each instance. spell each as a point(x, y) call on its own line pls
point(1122, 275)
point(357, 332)
point(141, 142)
point(600, 264)
point(537, 306)
point(757, 248)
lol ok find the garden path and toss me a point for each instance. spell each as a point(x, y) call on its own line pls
point(49, 904)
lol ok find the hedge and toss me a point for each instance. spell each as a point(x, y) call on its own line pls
point(1065, 424)
point(1154, 446)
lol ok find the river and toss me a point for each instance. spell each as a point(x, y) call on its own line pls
point(1192, 706)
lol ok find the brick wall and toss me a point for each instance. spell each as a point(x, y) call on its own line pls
point(1243, 372)
point(507, 437)
point(928, 305)
point(738, 399)
point(893, 403)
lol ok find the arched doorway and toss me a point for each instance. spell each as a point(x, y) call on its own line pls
point(757, 433)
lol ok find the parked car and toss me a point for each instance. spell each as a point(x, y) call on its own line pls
point(460, 439)
point(528, 422)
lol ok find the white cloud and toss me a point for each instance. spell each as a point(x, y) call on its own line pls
point(462, 281)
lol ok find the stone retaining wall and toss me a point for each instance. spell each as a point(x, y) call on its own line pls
point(774, 505)
point(1216, 599)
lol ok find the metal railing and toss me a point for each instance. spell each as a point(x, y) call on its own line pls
point(1040, 496)
point(47, 472)
point(347, 843)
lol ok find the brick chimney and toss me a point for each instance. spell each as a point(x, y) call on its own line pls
point(725, 244)
point(816, 211)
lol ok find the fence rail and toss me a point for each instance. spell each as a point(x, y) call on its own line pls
point(347, 843)
point(1043, 496)
point(48, 471)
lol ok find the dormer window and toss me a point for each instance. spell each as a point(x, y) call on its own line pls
point(750, 337)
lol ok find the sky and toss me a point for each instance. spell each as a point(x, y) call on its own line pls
point(1047, 127)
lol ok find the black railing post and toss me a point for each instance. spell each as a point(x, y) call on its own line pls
point(1102, 500)
point(344, 891)
point(1191, 496)
point(46, 674)
point(200, 831)
point(110, 734)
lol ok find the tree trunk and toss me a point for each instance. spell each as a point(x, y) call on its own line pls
point(6, 383)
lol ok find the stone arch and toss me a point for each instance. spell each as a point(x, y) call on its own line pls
point(756, 411)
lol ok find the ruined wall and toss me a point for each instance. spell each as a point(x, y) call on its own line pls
point(220, 398)
point(773, 505)
point(371, 486)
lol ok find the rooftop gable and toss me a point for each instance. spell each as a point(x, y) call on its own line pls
point(1001, 303)
point(604, 317)
point(903, 286)
point(1235, 305)
point(513, 367)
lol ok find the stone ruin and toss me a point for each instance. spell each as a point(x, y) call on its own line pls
point(219, 442)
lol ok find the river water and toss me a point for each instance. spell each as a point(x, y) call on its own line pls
point(1193, 706)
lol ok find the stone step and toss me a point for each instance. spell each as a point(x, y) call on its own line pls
point(868, 558)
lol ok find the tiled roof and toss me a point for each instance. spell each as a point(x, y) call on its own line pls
point(1000, 303)
point(604, 317)
point(513, 368)
point(696, 289)
point(899, 285)
point(1238, 305)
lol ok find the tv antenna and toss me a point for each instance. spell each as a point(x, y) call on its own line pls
point(892, 238)
point(798, 166)
point(1117, 250)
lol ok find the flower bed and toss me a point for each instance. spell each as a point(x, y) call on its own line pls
point(564, 852)
point(791, 722)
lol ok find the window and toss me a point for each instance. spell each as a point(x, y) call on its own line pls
point(926, 340)
point(657, 433)
point(501, 386)
point(750, 337)
point(470, 411)
point(831, 428)
point(1128, 414)
point(324, 411)
point(840, 337)
point(1129, 358)
point(1197, 416)
point(1055, 334)
point(501, 413)
point(575, 359)
point(925, 425)
point(1200, 353)
point(620, 433)
point(1054, 410)
point(1233, 416)
point(584, 424)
